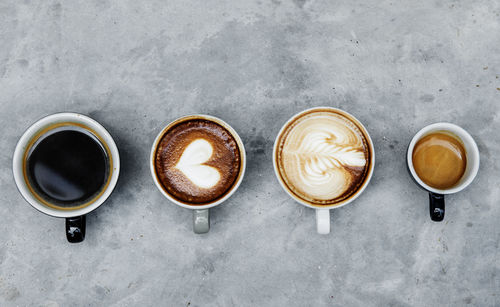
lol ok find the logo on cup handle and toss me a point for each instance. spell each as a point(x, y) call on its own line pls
point(47, 138)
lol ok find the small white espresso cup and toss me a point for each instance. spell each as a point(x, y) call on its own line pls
point(75, 216)
point(436, 196)
point(201, 215)
point(323, 211)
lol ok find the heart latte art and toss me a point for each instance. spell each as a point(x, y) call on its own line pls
point(191, 164)
point(197, 161)
point(323, 157)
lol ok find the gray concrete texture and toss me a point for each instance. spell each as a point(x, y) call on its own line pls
point(136, 65)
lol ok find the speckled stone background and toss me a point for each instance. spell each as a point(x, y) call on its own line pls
point(136, 65)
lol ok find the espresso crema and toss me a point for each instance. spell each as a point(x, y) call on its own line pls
point(323, 157)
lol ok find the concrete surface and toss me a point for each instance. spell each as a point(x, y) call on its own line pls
point(136, 65)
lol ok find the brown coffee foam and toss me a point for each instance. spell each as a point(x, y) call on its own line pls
point(359, 175)
point(225, 158)
point(439, 159)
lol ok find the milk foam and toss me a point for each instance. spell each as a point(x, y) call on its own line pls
point(318, 154)
point(191, 164)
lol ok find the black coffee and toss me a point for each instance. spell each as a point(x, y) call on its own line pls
point(68, 167)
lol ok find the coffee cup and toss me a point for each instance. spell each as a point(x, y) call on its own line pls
point(324, 159)
point(442, 158)
point(66, 165)
point(197, 162)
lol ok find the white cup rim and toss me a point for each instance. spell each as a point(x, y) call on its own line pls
point(242, 158)
point(18, 156)
point(358, 192)
point(468, 141)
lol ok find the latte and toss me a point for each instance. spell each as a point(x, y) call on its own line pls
point(323, 157)
point(197, 161)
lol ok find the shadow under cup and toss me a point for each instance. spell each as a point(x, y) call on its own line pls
point(437, 196)
point(66, 165)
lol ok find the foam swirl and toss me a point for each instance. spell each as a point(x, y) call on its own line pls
point(321, 155)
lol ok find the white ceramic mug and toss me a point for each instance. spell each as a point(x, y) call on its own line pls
point(436, 196)
point(201, 214)
point(323, 211)
point(75, 216)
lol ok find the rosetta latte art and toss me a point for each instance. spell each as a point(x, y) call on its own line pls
point(323, 157)
point(320, 157)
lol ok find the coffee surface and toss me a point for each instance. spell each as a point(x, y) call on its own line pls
point(439, 159)
point(197, 161)
point(67, 168)
point(323, 157)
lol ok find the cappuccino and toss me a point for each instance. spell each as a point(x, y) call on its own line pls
point(323, 157)
point(197, 161)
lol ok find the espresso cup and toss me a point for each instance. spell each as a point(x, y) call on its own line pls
point(66, 165)
point(197, 162)
point(437, 195)
point(323, 158)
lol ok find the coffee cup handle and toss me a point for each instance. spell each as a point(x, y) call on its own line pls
point(436, 206)
point(75, 228)
point(201, 221)
point(323, 221)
